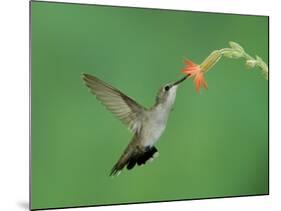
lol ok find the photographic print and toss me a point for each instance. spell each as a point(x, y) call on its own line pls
point(135, 105)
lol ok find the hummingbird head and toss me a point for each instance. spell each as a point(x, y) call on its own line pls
point(167, 94)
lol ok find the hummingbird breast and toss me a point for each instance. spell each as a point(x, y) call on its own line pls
point(153, 126)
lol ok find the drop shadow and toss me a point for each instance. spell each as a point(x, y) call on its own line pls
point(24, 205)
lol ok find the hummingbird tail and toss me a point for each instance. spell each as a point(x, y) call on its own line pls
point(131, 157)
point(122, 162)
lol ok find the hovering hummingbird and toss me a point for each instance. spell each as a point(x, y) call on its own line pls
point(147, 125)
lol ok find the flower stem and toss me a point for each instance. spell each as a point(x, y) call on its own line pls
point(235, 51)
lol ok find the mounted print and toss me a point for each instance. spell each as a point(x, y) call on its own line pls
point(135, 105)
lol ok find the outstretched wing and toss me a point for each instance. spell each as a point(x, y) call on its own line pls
point(122, 106)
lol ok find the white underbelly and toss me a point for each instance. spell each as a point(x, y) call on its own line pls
point(151, 133)
point(154, 126)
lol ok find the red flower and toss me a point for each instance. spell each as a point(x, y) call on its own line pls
point(194, 70)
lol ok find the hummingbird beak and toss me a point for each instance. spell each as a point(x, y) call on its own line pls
point(181, 80)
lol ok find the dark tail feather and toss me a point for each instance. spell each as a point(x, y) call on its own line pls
point(131, 158)
point(146, 155)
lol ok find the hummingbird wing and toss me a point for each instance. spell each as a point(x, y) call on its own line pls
point(123, 107)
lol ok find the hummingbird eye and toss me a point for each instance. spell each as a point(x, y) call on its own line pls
point(166, 88)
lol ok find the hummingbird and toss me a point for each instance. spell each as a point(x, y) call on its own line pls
point(147, 125)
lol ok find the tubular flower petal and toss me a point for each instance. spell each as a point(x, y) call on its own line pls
point(195, 71)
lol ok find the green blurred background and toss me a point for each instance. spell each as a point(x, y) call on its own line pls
point(215, 143)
